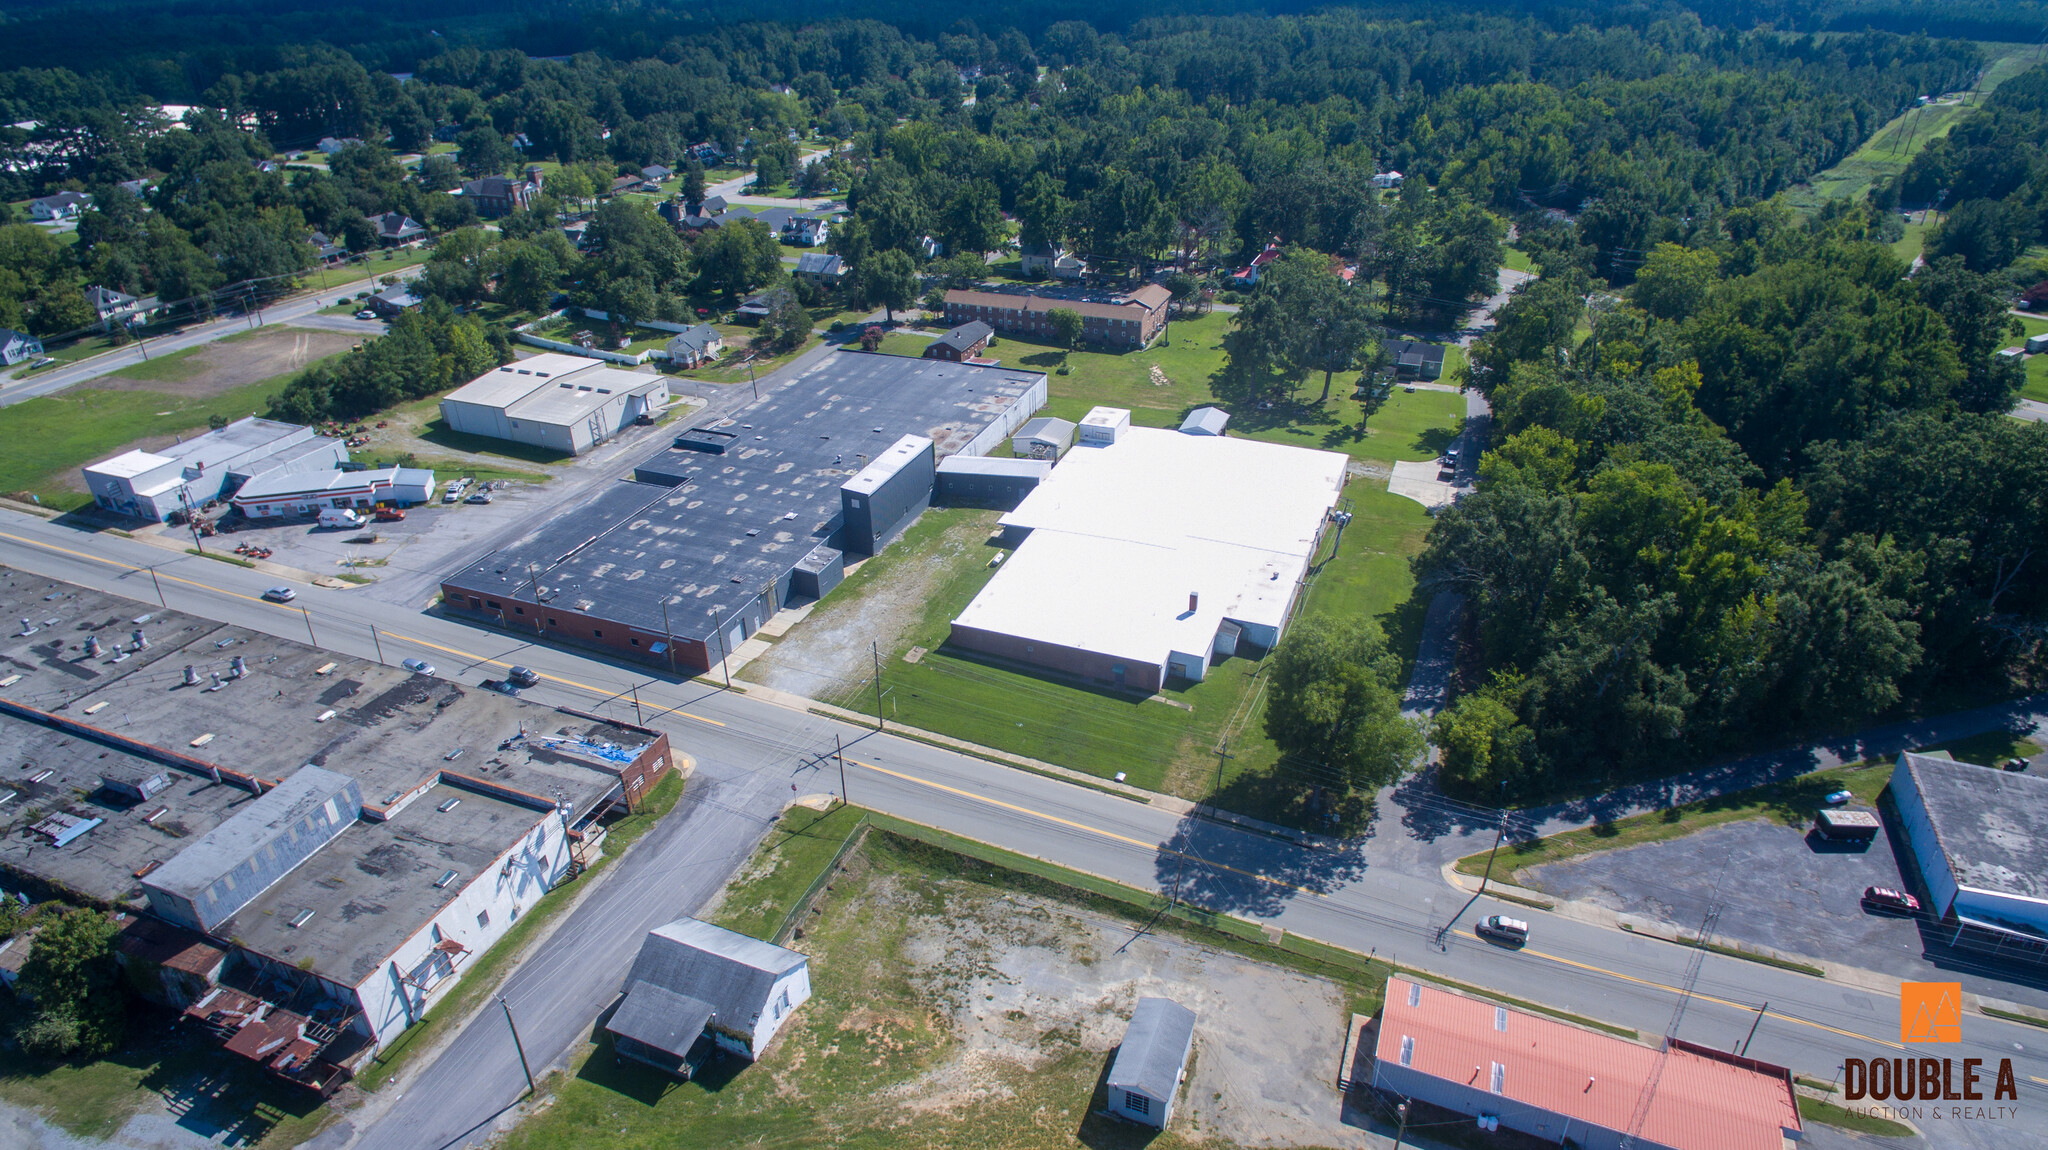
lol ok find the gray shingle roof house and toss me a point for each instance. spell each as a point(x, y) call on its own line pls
point(1149, 1064)
point(963, 342)
point(655, 173)
point(695, 346)
point(62, 206)
point(692, 980)
point(1413, 359)
point(397, 228)
point(16, 346)
point(820, 269)
point(108, 303)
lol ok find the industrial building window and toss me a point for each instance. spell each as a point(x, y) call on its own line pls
point(1500, 1077)
point(551, 622)
point(1500, 1018)
point(516, 610)
point(483, 919)
point(1137, 1103)
point(596, 634)
point(1407, 1050)
point(493, 604)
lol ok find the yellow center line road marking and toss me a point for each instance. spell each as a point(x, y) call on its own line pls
point(267, 603)
point(1079, 826)
point(1745, 1007)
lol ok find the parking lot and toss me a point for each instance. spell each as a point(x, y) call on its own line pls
point(1777, 889)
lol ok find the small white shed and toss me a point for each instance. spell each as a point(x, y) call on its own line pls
point(1103, 426)
point(1151, 1062)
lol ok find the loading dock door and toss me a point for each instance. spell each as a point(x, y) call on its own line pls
point(733, 638)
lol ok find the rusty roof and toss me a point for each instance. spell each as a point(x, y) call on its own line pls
point(1704, 1101)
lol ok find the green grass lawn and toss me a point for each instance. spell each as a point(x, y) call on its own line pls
point(1515, 259)
point(1815, 1110)
point(2037, 379)
point(905, 343)
point(728, 368)
point(798, 848)
point(382, 263)
point(1908, 246)
point(52, 435)
point(1990, 748)
point(1408, 427)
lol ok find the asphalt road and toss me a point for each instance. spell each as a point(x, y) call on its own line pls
point(746, 748)
point(304, 310)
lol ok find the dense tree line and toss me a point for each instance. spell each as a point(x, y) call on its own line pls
point(1773, 490)
point(428, 350)
point(1990, 173)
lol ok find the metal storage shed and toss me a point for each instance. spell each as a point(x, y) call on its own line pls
point(1205, 421)
point(1148, 1068)
point(1043, 438)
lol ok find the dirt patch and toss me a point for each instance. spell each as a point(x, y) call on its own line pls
point(1159, 377)
point(227, 364)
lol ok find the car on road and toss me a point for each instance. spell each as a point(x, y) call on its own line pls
point(1837, 798)
point(522, 676)
point(500, 686)
point(1501, 928)
point(479, 497)
point(1885, 900)
point(366, 313)
point(419, 667)
point(280, 594)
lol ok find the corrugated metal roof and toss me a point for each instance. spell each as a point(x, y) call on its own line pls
point(661, 1018)
point(1702, 1102)
point(1155, 1048)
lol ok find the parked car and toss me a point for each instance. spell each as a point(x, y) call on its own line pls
point(1886, 900)
point(366, 313)
point(1501, 928)
point(452, 495)
point(280, 594)
point(2015, 764)
point(523, 676)
point(500, 686)
point(388, 514)
point(1837, 798)
point(419, 667)
point(479, 497)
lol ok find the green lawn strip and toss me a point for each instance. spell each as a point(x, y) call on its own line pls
point(1790, 803)
point(2036, 387)
point(55, 434)
point(94, 1099)
point(486, 972)
point(1990, 749)
point(798, 848)
point(906, 343)
point(446, 469)
point(2012, 1015)
point(381, 264)
point(1815, 1110)
point(219, 557)
point(728, 368)
point(1515, 259)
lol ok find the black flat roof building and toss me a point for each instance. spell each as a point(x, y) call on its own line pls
point(679, 565)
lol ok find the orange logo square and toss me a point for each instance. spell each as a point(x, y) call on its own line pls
point(1930, 1012)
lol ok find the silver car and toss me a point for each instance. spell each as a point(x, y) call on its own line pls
point(419, 667)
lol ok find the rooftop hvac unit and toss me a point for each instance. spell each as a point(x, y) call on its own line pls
point(449, 805)
point(302, 918)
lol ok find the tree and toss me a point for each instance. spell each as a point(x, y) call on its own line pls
point(1483, 744)
point(1987, 234)
point(693, 182)
point(972, 222)
point(74, 981)
point(774, 163)
point(1041, 213)
point(1332, 700)
point(527, 272)
point(484, 152)
point(1674, 281)
point(737, 257)
point(1067, 326)
point(889, 279)
point(787, 324)
point(1301, 318)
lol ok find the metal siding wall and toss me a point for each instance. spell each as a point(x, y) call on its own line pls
point(1462, 1099)
point(1927, 852)
point(285, 855)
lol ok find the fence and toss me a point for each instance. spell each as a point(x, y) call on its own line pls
point(636, 359)
point(854, 838)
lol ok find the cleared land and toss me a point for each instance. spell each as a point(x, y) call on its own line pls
point(962, 1004)
point(226, 364)
point(50, 437)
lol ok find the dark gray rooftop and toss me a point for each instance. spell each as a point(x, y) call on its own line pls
point(1155, 1048)
point(741, 519)
point(966, 335)
point(1992, 824)
point(373, 887)
point(726, 970)
point(213, 855)
point(661, 1018)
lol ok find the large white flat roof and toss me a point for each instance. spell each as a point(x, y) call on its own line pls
point(502, 386)
point(1121, 536)
point(568, 399)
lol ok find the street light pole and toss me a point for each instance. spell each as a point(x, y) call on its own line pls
point(839, 752)
point(375, 639)
point(159, 589)
point(309, 627)
point(877, 650)
point(1498, 836)
point(517, 1045)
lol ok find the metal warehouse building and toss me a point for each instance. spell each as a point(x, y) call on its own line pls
point(308, 492)
point(677, 566)
point(566, 403)
point(1979, 837)
point(1568, 1086)
point(1144, 558)
point(152, 484)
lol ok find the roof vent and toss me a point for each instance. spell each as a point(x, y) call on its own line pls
point(446, 878)
point(449, 805)
point(302, 918)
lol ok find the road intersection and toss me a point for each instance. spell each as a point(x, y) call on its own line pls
point(1369, 895)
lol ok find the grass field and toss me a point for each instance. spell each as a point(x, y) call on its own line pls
point(383, 263)
point(1515, 259)
point(1410, 426)
point(1891, 148)
point(798, 847)
point(1815, 1110)
point(51, 436)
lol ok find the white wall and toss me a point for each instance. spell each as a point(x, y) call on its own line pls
point(539, 860)
point(1933, 861)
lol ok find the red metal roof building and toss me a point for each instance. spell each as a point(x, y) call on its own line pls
point(1555, 1081)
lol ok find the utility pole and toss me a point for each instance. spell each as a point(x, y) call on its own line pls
point(724, 659)
point(666, 633)
point(535, 576)
point(159, 589)
point(309, 627)
point(517, 1045)
point(877, 650)
point(1502, 833)
point(1221, 755)
point(1401, 1110)
point(374, 638)
point(636, 707)
point(1752, 1027)
point(839, 752)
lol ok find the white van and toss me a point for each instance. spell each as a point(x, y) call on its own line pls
point(339, 517)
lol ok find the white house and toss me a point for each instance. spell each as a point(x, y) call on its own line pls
point(1387, 180)
point(62, 206)
point(694, 982)
point(699, 345)
point(16, 346)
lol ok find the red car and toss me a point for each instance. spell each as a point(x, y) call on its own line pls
point(1885, 899)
